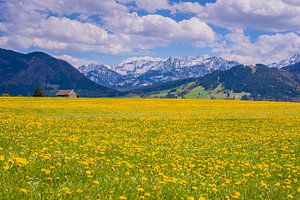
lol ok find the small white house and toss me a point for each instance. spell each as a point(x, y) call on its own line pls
point(67, 93)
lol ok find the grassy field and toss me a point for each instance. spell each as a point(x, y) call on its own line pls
point(148, 149)
point(199, 92)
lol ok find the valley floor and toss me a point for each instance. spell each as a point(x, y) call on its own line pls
point(54, 148)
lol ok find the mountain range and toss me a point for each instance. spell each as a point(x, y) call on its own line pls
point(136, 72)
point(174, 77)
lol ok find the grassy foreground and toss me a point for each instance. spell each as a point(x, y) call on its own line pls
point(148, 149)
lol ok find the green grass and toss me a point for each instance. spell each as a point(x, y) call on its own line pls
point(199, 92)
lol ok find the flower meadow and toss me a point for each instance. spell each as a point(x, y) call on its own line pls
point(53, 148)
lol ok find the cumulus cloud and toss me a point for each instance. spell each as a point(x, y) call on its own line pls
point(3, 41)
point(76, 62)
point(292, 2)
point(67, 7)
point(149, 5)
point(113, 27)
point(28, 24)
point(71, 30)
point(271, 15)
point(266, 49)
point(163, 29)
point(187, 7)
point(2, 27)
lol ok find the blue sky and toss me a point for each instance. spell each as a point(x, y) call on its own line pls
point(85, 31)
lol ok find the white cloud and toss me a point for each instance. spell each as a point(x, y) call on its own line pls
point(268, 15)
point(266, 49)
point(66, 7)
point(292, 2)
point(2, 27)
point(149, 5)
point(3, 41)
point(76, 62)
point(29, 25)
point(159, 30)
point(71, 31)
point(117, 29)
point(49, 44)
point(187, 7)
point(143, 58)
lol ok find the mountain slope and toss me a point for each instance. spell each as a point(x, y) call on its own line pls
point(21, 74)
point(137, 72)
point(101, 74)
point(262, 82)
point(287, 62)
point(249, 82)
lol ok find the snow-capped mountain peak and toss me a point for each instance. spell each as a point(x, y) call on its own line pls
point(286, 62)
point(210, 63)
point(187, 61)
point(141, 59)
point(136, 66)
point(92, 67)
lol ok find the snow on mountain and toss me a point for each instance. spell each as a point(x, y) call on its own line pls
point(101, 74)
point(210, 63)
point(286, 62)
point(136, 66)
point(182, 62)
point(136, 72)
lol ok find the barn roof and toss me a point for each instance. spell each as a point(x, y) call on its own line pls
point(63, 92)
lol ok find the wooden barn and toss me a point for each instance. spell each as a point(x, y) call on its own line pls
point(67, 93)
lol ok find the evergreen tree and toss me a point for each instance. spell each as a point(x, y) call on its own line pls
point(39, 92)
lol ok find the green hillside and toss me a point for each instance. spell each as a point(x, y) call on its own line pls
point(193, 91)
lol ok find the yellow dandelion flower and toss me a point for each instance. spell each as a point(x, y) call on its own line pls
point(277, 184)
point(23, 190)
point(127, 174)
point(67, 191)
point(194, 188)
point(155, 188)
point(5, 167)
point(236, 195)
point(96, 182)
point(263, 185)
point(88, 172)
point(79, 190)
point(238, 183)
point(21, 161)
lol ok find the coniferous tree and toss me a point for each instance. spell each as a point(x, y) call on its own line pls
point(39, 92)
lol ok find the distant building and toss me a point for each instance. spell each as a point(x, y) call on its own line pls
point(67, 93)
